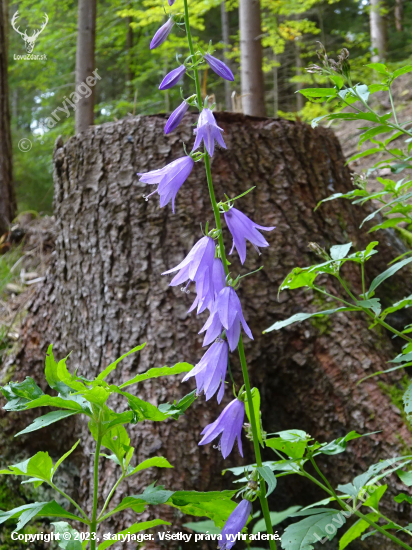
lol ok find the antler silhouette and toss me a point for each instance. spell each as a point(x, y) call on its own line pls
point(13, 21)
point(29, 40)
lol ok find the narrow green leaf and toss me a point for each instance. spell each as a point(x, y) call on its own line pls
point(386, 274)
point(318, 92)
point(269, 477)
point(46, 420)
point(215, 505)
point(157, 372)
point(299, 317)
point(43, 509)
point(61, 459)
point(156, 461)
point(356, 530)
point(381, 68)
point(402, 71)
point(391, 222)
point(112, 366)
point(374, 499)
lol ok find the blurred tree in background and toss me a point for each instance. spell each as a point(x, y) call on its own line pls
point(130, 72)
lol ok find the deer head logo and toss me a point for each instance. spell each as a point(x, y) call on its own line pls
point(29, 40)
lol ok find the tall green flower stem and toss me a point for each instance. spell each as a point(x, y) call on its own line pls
point(262, 493)
point(93, 525)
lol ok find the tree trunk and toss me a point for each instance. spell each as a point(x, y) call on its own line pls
point(251, 73)
point(378, 31)
point(85, 65)
point(399, 15)
point(226, 42)
point(7, 196)
point(104, 294)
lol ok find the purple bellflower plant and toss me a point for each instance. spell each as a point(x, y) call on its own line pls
point(229, 426)
point(210, 372)
point(162, 33)
point(176, 117)
point(196, 262)
point(241, 228)
point(208, 131)
point(204, 292)
point(220, 68)
point(170, 179)
point(172, 78)
point(235, 524)
point(226, 313)
point(171, 2)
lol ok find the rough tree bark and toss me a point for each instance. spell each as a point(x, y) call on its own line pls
point(104, 294)
point(86, 38)
point(378, 30)
point(7, 196)
point(251, 73)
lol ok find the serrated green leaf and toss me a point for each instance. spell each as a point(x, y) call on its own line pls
point(340, 251)
point(374, 498)
point(405, 477)
point(304, 534)
point(386, 274)
point(402, 71)
point(215, 505)
point(299, 317)
point(43, 509)
point(61, 459)
point(113, 365)
point(156, 461)
point(339, 445)
point(158, 372)
point(391, 222)
point(372, 132)
point(298, 278)
point(291, 442)
point(39, 466)
point(379, 67)
point(366, 153)
point(135, 528)
point(46, 420)
point(356, 530)
point(269, 477)
point(373, 303)
point(403, 498)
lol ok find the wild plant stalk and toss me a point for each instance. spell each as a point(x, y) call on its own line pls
point(245, 374)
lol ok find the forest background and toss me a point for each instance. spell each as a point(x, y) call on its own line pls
point(130, 73)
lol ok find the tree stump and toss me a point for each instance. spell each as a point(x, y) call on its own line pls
point(104, 294)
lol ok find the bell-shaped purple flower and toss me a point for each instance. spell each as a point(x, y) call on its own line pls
point(196, 262)
point(172, 78)
point(210, 372)
point(229, 425)
point(208, 287)
point(219, 67)
point(235, 524)
point(170, 178)
point(242, 228)
point(176, 117)
point(208, 131)
point(162, 33)
point(226, 313)
point(171, 2)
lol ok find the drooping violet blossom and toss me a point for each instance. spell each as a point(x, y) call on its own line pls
point(210, 372)
point(176, 117)
point(241, 227)
point(226, 313)
point(219, 67)
point(208, 131)
point(229, 424)
point(208, 287)
point(204, 292)
point(196, 262)
point(235, 524)
point(170, 178)
point(218, 277)
point(172, 78)
point(171, 2)
point(162, 33)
